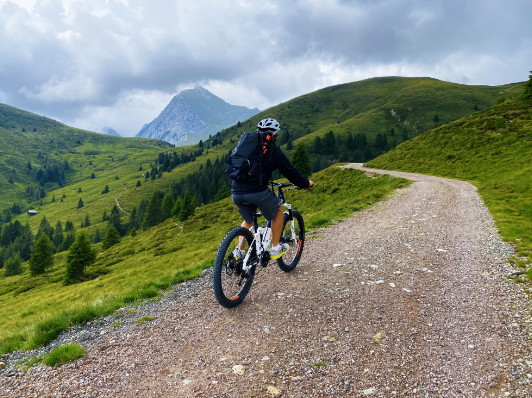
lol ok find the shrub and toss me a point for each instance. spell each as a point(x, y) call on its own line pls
point(12, 266)
point(144, 319)
point(64, 354)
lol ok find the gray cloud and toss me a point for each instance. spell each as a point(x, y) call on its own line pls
point(95, 63)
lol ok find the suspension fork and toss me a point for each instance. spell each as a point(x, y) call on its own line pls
point(291, 220)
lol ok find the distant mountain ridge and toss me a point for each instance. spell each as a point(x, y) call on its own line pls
point(193, 115)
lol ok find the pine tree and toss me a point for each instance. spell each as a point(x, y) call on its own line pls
point(188, 207)
point(69, 239)
point(177, 207)
point(133, 219)
point(58, 235)
point(11, 180)
point(167, 206)
point(114, 219)
point(301, 160)
point(45, 228)
point(138, 183)
point(80, 256)
point(526, 95)
point(87, 222)
point(111, 238)
point(80, 203)
point(289, 146)
point(133, 232)
point(69, 225)
point(105, 190)
point(153, 212)
point(104, 217)
point(436, 118)
point(317, 147)
point(93, 176)
point(41, 258)
point(79, 190)
point(97, 237)
point(12, 266)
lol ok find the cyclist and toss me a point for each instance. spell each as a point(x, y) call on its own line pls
point(262, 196)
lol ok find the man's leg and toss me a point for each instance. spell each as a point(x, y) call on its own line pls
point(277, 226)
point(246, 225)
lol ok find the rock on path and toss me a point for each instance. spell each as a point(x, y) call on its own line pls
point(404, 299)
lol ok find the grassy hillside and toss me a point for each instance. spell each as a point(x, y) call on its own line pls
point(34, 310)
point(26, 137)
point(364, 106)
point(491, 149)
point(114, 161)
point(373, 106)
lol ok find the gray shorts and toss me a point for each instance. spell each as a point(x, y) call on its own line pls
point(266, 201)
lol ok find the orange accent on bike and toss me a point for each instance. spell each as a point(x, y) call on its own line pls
point(233, 299)
point(299, 248)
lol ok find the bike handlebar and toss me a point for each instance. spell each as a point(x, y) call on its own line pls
point(280, 185)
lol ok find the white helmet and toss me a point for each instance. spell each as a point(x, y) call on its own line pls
point(269, 126)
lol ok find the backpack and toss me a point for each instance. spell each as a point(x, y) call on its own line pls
point(244, 162)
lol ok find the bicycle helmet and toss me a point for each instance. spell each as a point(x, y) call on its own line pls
point(269, 126)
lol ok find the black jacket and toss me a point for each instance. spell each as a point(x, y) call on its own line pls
point(274, 159)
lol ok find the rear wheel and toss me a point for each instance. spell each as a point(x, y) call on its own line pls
point(289, 260)
point(231, 284)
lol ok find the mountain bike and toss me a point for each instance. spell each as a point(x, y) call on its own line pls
point(232, 277)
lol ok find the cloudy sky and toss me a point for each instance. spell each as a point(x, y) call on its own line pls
point(119, 62)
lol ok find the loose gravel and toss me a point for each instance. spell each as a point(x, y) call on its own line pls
point(408, 298)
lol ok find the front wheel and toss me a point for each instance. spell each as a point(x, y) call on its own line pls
point(289, 260)
point(231, 284)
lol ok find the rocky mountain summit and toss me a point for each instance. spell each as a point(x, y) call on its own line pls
point(109, 131)
point(193, 115)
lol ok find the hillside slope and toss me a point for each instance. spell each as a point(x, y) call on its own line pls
point(492, 150)
point(169, 253)
point(30, 142)
point(373, 107)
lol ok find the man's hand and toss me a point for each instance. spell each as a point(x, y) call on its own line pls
point(311, 184)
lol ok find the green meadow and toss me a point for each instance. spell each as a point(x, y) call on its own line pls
point(372, 106)
point(492, 150)
point(35, 310)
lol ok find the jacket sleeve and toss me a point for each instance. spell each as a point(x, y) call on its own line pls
point(288, 170)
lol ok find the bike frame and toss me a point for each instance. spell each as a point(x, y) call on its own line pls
point(258, 242)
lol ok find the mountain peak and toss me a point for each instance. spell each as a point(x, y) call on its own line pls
point(192, 115)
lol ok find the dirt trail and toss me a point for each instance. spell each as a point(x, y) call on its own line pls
point(404, 299)
point(117, 199)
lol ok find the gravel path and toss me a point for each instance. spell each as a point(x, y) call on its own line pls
point(407, 299)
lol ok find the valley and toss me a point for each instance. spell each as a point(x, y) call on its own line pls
point(353, 122)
